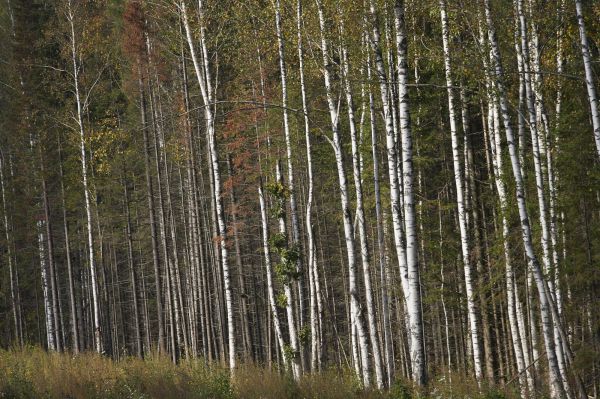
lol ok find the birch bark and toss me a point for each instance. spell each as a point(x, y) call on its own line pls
point(356, 313)
point(86, 190)
point(589, 74)
point(557, 389)
point(204, 80)
point(458, 180)
point(417, 355)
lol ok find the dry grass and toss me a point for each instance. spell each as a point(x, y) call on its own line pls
point(35, 373)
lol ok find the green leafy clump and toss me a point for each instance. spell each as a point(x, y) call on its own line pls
point(285, 270)
point(277, 241)
point(278, 190)
point(281, 300)
point(289, 352)
point(304, 335)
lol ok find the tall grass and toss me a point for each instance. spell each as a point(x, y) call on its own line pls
point(35, 373)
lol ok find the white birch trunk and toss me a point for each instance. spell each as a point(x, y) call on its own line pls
point(270, 291)
point(289, 307)
point(549, 234)
point(589, 74)
point(11, 268)
point(205, 83)
point(392, 158)
point(288, 147)
point(360, 218)
point(49, 317)
point(557, 389)
point(417, 355)
point(356, 313)
point(86, 191)
point(525, 381)
point(383, 266)
point(315, 291)
point(458, 179)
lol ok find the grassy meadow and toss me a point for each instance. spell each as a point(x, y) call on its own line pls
point(34, 373)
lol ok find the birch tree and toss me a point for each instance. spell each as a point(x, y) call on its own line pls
point(76, 67)
point(460, 200)
point(356, 313)
point(589, 74)
point(557, 389)
point(417, 356)
point(203, 75)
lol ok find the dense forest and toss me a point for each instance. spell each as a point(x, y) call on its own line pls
point(409, 190)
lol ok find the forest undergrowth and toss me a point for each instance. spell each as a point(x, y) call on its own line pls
point(34, 373)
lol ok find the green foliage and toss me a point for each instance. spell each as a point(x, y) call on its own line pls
point(281, 300)
point(277, 241)
point(278, 190)
point(400, 390)
point(288, 352)
point(304, 335)
point(285, 270)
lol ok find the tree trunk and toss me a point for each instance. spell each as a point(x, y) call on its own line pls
point(205, 82)
point(356, 313)
point(86, 190)
point(360, 218)
point(460, 201)
point(417, 355)
point(589, 74)
point(557, 389)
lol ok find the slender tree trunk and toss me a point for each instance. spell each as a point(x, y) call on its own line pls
point(50, 259)
point(152, 221)
point(460, 201)
point(315, 312)
point(270, 289)
point(72, 303)
point(392, 163)
point(204, 79)
point(557, 389)
point(50, 332)
point(137, 325)
point(356, 313)
point(238, 259)
point(589, 74)
point(383, 265)
point(290, 170)
point(360, 218)
point(14, 286)
point(417, 355)
point(86, 190)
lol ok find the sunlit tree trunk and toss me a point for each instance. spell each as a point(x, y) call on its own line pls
point(290, 171)
point(270, 289)
point(84, 173)
point(49, 317)
point(392, 157)
point(315, 291)
point(460, 201)
point(360, 217)
point(288, 290)
point(356, 312)
point(14, 287)
point(417, 355)
point(557, 389)
point(589, 74)
point(383, 265)
point(204, 79)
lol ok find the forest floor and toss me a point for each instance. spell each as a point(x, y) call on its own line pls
point(35, 373)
